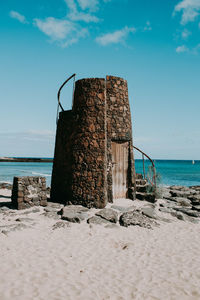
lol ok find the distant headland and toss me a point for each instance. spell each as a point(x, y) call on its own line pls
point(25, 159)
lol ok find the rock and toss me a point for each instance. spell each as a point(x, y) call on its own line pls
point(24, 220)
point(136, 218)
point(177, 187)
point(168, 204)
point(149, 212)
point(165, 209)
point(108, 214)
point(54, 205)
point(60, 224)
point(122, 208)
point(111, 226)
point(195, 199)
point(178, 215)
point(4, 208)
point(97, 220)
point(150, 197)
point(182, 201)
point(196, 207)
point(20, 226)
point(188, 212)
point(51, 209)
point(182, 194)
point(74, 213)
point(52, 215)
point(35, 210)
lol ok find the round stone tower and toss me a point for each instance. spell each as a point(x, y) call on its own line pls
point(93, 160)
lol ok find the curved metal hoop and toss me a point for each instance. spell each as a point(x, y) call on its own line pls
point(58, 94)
point(153, 181)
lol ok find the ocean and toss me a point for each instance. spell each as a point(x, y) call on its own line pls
point(170, 172)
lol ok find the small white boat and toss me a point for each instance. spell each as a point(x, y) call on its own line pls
point(193, 162)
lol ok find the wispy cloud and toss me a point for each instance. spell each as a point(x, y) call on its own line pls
point(92, 5)
point(182, 49)
point(185, 34)
point(63, 31)
point(56, 29)
point(76, 15)
point(115, 37)
point(148, 26)
point(190, 10)
point(16, 15)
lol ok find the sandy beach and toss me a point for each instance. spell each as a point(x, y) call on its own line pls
point(80, 261)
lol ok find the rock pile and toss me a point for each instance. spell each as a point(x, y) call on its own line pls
point(182, 202)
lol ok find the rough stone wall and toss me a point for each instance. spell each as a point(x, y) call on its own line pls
point(29, 191)
point(82, 170)
point(119, 126)
point(79, 170)
point(89, 144)
point(62, 165)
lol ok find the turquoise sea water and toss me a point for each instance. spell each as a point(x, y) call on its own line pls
point(178, 172)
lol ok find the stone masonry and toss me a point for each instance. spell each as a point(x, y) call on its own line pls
point(82, 169)
point(29, 191)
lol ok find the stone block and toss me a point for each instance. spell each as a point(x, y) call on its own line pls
point(28, 191)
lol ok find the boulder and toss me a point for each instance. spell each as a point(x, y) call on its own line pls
point(97, 220)
point(74, 213)
point(136, 218)
point(165, 209)
point(182, 201)
point(108, 214)
point(150, 212)
point(182, 194)
point(196, 207)
point(123, 208)
point(189, 212)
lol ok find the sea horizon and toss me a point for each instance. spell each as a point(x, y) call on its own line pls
point(169, 171)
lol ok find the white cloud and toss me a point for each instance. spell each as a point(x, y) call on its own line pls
point(182, 49)
point(79, 34)
point(76, 15)
point(18, 16)
point(56, 29)
point(148, 26)
point(190, 10)
point(115, 37)
point(63, 31)
point(89, 4)
point(185, 34)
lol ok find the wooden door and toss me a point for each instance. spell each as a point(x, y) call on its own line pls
point(119, 169)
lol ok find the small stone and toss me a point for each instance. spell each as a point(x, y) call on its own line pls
point(24, 220)
point(60, 224)
point(108, 214)
point(5, 208)
point(97, 220)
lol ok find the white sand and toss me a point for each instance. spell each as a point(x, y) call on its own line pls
point(93, 262)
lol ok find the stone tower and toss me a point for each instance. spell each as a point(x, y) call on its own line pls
point(93, 160)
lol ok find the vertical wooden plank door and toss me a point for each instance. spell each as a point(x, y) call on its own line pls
point(119, 169)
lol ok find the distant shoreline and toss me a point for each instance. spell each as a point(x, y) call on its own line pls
point(24, 159)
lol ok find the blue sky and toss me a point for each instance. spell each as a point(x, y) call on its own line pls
point(155, 45)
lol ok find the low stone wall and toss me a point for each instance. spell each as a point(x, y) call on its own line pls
point(29, 191)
